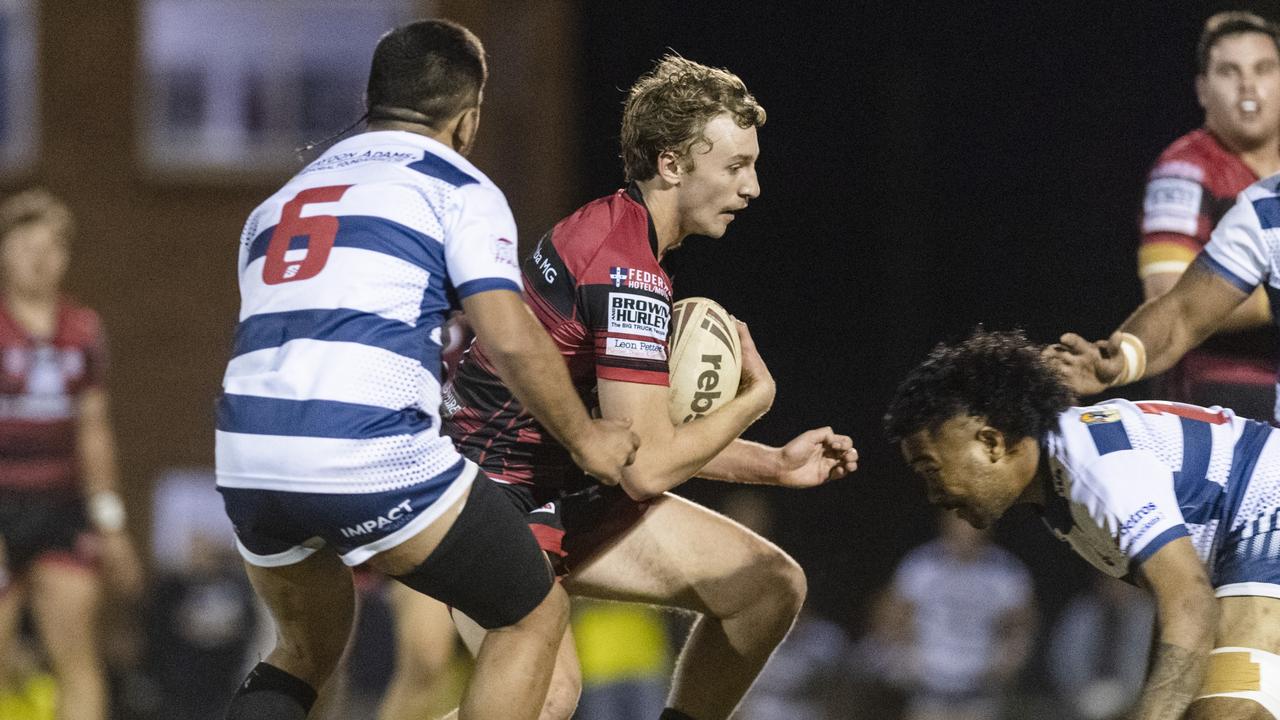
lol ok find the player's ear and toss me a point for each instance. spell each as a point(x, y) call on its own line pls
point(993, 442)
point(465, 130)
point(669, 167)
point(1201, 90)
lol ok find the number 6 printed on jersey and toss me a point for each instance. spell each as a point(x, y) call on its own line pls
point(319, 232)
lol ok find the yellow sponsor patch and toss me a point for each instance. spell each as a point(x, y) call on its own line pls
point(1105, 415)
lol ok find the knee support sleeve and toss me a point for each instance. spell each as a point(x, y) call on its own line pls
point(270, 693)
point(488, 565)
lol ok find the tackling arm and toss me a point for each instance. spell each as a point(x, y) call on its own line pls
point(1197, 306)
point(532, 368)
point(1187, 615)
point(1253, 312)
point(1167, 326)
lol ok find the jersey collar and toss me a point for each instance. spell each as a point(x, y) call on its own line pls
point(633, 191)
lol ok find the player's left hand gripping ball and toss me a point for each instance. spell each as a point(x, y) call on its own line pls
point(816, 457)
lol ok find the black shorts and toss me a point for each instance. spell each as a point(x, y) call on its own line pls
point(44, 524)
point(572, 526)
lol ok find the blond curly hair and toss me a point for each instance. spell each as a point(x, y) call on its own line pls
point(669, 107)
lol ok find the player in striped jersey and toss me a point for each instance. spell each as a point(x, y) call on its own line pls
point(328, 445)
point(1182, 499)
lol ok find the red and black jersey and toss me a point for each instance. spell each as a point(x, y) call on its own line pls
point(1194, 183)
point(41, 380)
point(595, 284)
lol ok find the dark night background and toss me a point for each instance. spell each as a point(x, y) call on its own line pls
point(925, 168)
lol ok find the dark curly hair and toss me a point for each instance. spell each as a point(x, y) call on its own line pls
point(998, 376)
point(669, 107)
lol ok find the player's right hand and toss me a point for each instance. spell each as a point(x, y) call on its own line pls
point(1088, 368)
point(605, 448)
point(756, 382)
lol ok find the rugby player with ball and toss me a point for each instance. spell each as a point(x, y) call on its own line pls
point(594, 281)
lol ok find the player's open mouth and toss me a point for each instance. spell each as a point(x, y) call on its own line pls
point(1248, 106)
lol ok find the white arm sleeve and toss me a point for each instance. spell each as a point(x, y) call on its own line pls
point(1130, 493)
point(480, 242)
point(1237, 250)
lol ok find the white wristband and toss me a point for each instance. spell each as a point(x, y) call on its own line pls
point(106, 510)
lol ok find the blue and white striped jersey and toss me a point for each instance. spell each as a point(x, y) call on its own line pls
point(1244, 248)
point(346, 276)
point(1127, 478)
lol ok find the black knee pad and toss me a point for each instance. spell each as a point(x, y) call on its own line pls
point(270, 693)
point(488, 565)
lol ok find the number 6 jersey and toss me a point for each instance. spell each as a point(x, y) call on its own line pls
point(1125, 479)
point(346, 276)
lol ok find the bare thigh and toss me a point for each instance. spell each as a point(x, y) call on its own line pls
point(424, 630)
point(1247, 622)
point(681, 554)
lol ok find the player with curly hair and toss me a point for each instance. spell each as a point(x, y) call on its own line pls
point(1183, 499)
point(689, 146)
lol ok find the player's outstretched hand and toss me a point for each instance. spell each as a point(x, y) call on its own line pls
point(606, 448)
point(1088, 368)
point(756, 382)
point(815, 457)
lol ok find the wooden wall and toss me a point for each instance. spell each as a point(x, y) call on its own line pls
point(157, 257)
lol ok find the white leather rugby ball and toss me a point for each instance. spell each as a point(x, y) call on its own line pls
point(705, 358)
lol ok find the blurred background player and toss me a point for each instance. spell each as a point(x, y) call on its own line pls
point(1193, 184)
point(971, 613)
point(328, 446)
point(1098, 649)
point(689, 147)
point(60, 513)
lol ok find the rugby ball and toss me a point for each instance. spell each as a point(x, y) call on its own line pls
point(705, 358)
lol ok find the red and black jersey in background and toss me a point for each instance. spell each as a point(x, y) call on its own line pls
point(1194, 183)
point(40, 383)
point(595, 284)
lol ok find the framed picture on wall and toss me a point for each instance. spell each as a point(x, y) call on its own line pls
point(19, 121)
point(235, 87)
